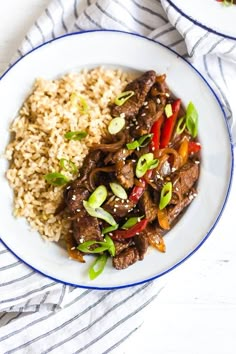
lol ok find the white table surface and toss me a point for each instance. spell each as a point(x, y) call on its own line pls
point(196, 311)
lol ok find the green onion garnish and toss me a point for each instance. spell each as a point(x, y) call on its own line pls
point(123, 97)
point(99, 213)
point(133, 145)
point(98, 266)
point(56, 179)
point(166, 195)
point(192, 119)
point(98, 197)
point(144, 140)
point(131, 222)
point(79, 101)
point(77, 135)
point(108, 229)
point(145, 162)
point(181, 125)
point(68, 165)
point(228, 2)
point(168, 110)
point(116, 125)
point(118, 190)
point(106, 245)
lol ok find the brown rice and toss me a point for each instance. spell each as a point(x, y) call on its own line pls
point(39, 143)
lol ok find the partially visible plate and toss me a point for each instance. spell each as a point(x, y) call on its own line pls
point(210, 15)
point(131, 52)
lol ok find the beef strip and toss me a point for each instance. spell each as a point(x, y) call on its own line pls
point(74, 197)
point(147, 206)
point(121, 246)
point(141, 87)
point(185, 177)
point(120, 155)
point(118, 207)
point(175, 211)
point(148, 114)
point(125, 173)
point(90, 162)
point(141, 243)
point(126, 258)
point(86, 228)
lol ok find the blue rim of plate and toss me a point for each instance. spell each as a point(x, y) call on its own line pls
point(199, 23)
point(228, 189)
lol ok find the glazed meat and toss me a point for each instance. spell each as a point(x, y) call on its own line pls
point(126, 258)
point(125, 173)
point(86, 228)
point(140, 87)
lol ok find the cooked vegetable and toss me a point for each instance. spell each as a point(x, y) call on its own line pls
point(116, 125)
point(99, 213)
point(192, 120)
point(169, 124)
point(106, 245)
point(168, 110)
point(98, 266)
point(193, 147)
point(124, 234)
point(141, 142)
point(108, 229)
point(123, 97)
point(156, 131)
point(118, 190)
point(181, 125)
point(77, 135)
point(98, 197)
point(166, 194)
point(131, 222)
point(56, 179)
point(68, 165)
point(145, 162)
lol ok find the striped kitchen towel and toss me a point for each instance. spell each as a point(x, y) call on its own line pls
point(200, 41)
point(38, 315)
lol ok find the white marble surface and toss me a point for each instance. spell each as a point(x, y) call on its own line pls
point(195, 313)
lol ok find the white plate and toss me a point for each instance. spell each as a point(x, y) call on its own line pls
point(76, 51)
point(209, 14)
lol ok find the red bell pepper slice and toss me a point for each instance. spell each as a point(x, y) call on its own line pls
point(193, 147)
point(137, 191)
point(156, 131)
point(123, 234)
point(169, 124)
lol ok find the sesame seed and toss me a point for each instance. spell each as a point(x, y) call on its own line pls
point(72, 248)
point(73, 197)
point(158, 100)
point(114, 210)
point(70, 231)
point(197, 162)
point(145, 103)
point(143, 114)
point(167, 94)
point(116, 206)
point(78, 210)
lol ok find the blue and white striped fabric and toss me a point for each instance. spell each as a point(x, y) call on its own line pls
point(38, 315)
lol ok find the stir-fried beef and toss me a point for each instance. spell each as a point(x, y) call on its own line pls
point(147, 206)
point(141, 87)
point(141, 243)
point(86, 229)
point(126, 258)
point(125, 173)
point(112, 161)
point(121, 246)
point(175, 211)
point(185, 177)
point(74, 196)
point(118, 207)
point(148, 114)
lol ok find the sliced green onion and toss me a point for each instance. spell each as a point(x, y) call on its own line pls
point(79, 101)
point(131, 222)
point(145, 140)
point(168, 110)
point(98, 197)
point(192, 119)
point(110, 245)
point(99, 213)
point(77, 135)
point(98, 266)
point(85, 247)
point(123, 97)
point(145, 162)
point(181, 125)
point(228, 2)
point(133, 145)
point(166, 195)
point(118, 190)
point(116, 125)
point(56, 179)
point(68, 165)
point(106, 245)
point(108, 229)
